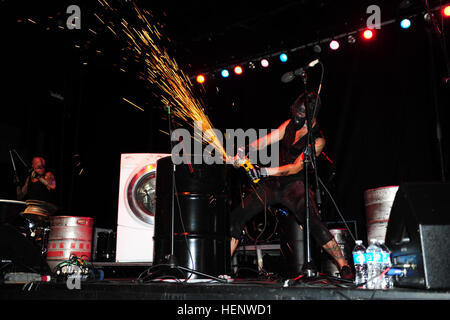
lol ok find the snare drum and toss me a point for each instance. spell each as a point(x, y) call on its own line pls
point(37, 215)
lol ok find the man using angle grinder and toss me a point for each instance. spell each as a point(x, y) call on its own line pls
point(285, 184)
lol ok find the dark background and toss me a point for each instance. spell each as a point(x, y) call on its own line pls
point(381, 98)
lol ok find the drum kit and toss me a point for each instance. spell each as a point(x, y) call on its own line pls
point(32, 219)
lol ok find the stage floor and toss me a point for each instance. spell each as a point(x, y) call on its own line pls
point(204, 289)
point(236, 299)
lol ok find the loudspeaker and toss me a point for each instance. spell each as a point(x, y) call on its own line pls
point(418, 234)
point(25, 256)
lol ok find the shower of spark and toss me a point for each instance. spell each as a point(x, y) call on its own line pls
point(163, 71)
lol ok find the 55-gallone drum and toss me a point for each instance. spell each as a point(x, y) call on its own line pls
point(200, 211)
point(378, 203)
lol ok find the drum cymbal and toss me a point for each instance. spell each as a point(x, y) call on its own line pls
point(38, 207)
point(12, 202)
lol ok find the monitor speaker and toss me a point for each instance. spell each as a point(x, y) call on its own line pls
point(418, 234)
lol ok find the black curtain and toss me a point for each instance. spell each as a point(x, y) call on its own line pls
point(381, 101)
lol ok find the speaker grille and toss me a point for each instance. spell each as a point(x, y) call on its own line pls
point(436, 259)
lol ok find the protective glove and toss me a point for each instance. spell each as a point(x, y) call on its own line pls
point(255, 172)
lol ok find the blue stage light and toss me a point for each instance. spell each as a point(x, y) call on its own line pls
point(405, 23)
point(283, 57)
point(225, 73)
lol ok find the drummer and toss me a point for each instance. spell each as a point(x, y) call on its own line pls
point(39, 185)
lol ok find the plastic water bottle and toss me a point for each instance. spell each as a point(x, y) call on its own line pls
point(360, 263)
point(374, 264)
point(386, 253)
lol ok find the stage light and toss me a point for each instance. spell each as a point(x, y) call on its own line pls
point(405, 23)
point(368, 34)
point(446, 11)
point(264, 63)
point(200, 78)
point(283, 57)
point(225, 73)
point(334, 45)
point(351, 39)
point(238, 70)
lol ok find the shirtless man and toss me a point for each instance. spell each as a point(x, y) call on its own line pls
point(40, 185)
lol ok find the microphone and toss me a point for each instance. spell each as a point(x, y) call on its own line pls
point(291, 75)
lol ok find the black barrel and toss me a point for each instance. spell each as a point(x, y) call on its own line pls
point(292, 245)
point(201, 213)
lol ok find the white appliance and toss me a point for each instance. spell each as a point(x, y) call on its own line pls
point(136, 209)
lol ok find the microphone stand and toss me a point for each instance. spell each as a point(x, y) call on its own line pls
point(16, 176)
point(309, 269)
point(172, 262)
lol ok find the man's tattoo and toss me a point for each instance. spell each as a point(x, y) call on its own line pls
point(335, 251)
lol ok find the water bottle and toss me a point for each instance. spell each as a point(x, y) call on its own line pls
point(374, 264)
point(360, 263)
point(387, 280)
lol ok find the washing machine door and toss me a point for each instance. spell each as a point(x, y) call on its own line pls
point(141, 194)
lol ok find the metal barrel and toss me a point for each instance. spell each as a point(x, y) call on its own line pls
point(200, 211)
point(292, 245)
point(378, 204)
point(69, 236)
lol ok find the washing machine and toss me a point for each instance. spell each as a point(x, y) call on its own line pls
point(136, 208)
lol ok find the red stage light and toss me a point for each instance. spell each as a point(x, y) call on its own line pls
point(201, 78)
point(238, 70)
point(368, 34)
point(446, 11)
